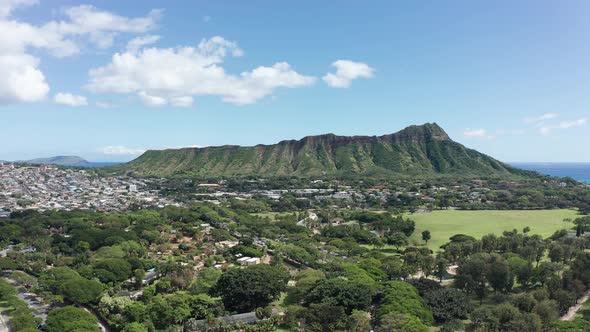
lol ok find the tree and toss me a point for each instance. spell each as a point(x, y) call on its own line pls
point(305, 279)
point(134, 327)
point(525, 302)
point(402, 298)
point(565, 299)
point(471, 277)
point(395, 322)
point(424, 285)
point(489, 243)
point(244, 290)
point(499, 276)
point(169, 310)
point(447, 304)
point(440, 266)
point(82, 290)
point(112, 270)
point(426, 236)
point(340, 292)
point(454, 325)
point(397, 240)
point(548, 310)
point(527, 322)
point(323, 317)
point(393, 268)
point(556, 252)
point(23, 321)
point(359, 321)
point(71, 319)
point(206, 279)
point(138, 275)
point(69, 284)
point(505, 314)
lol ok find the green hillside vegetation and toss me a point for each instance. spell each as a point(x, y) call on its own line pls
point(424, 150)
point(446, 223)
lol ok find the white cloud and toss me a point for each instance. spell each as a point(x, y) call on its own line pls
point(105, 104)
point(346, 72)
point(103, 26)
point(477, 133)
point(123, 150)
point(547, 129)
point(172, 75)
point(185, 101)
point(152, 101)
point(120, 150)
point(70, 99)
point(136, 43)
point(185, 146)
point(541, 118)
point(7, 6)
point(547, 123)
point(218, 47)
point(22, 80)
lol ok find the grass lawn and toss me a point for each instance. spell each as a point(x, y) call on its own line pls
point(446, 223)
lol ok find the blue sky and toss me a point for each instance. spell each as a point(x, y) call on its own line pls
point(106, 80)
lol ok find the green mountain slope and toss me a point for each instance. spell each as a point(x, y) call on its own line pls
point(417, 150)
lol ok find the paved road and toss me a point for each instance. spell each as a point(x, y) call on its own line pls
point(35, 303)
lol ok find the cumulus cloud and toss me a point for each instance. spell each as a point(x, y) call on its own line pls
point(136, 43)
point(123, 150)
point(22, 80)
point(161, 76)
point(152, 101)
point(477, 133)
point(548, 123)
point(185, 101)
point(541, 118)
point(120, 150)
point(70, 99)
point(7, 6)
point(106, 104)
point(549, 128)
point(346, 72)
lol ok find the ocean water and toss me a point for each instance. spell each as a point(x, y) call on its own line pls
point(578, 171)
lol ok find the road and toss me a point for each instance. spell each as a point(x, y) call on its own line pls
point(571, 313)
point(102, 326)
point(34, 302)
point(3, 323)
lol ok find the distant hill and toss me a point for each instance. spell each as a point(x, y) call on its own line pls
point(59, 160)
point(424, 150)
point(72, 161)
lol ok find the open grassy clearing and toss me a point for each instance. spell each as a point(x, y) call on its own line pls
point(446, 223)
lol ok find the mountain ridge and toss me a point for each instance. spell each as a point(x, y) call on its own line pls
point(58, 160)
point(415, 150)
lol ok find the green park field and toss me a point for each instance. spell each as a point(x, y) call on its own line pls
point(446, 223)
